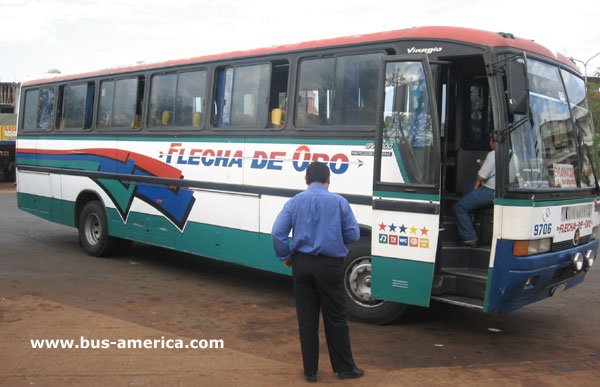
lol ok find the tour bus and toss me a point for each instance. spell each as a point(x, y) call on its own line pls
point(199, 155)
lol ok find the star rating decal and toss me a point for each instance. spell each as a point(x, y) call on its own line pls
point(403, 235)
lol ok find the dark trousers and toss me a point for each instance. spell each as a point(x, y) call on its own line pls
point(319, 285)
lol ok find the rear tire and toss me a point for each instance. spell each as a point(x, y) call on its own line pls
point(357, 281)
point(93, 231)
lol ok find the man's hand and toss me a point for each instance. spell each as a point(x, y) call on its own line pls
point(288, 262)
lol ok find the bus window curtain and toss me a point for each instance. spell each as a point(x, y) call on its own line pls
point(89, 105)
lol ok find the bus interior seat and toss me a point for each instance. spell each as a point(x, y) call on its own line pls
point(137, 121)
point(196, 119)
point(166, 117)
point(277, 117)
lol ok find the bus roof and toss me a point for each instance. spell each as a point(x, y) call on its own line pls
point(459, 34)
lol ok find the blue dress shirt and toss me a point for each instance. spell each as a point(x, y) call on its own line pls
point(322, 222)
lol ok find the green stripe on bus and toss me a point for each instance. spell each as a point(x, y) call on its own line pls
point(55, 210)
point(247, 248)
point(401, 280)
point(545, 203)
point(70, 164)
point(407, 195)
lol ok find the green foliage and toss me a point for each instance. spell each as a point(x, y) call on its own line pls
point(594, 104)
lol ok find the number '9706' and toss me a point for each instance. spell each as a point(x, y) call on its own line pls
point(542, 229)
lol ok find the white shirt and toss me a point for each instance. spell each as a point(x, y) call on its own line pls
point(487, 172)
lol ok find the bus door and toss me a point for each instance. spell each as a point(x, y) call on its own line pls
point(406, 191)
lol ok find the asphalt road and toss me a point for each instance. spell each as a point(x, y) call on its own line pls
point(253, 311)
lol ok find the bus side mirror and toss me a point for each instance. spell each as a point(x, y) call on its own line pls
point(518, 90)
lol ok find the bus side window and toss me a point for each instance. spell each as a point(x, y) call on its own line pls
point(338, 91)
point(107, 92)
point(356, 89)
point(121, 103)
point(76, 106)
point(315, 92)
point(45, 111)
point(278, 94)
point(30, 109)
point(190, 97)
point(162, 100)
point(242, 96)
point(177, 99)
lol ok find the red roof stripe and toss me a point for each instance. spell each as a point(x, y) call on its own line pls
point(459, 34)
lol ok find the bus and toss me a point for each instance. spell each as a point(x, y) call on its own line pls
point(199, 155)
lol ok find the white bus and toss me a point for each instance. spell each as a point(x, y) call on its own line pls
point(199, 155)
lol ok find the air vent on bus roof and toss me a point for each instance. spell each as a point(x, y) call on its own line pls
point(506, 35)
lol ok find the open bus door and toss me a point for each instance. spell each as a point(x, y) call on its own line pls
point(406, 192)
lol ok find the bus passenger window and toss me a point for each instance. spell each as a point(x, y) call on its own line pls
point(45, 111)
point(107, 91)
point(121, 103)
point(242, 96)
point(278, 94)
point(30, 109)
point(177, 99)
point(76, 106)
point(356, 89)
point(190, 97)
point(315, 92)
point(338, 91)
point(162, 100)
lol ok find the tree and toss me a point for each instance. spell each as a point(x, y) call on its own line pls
point(594, 104)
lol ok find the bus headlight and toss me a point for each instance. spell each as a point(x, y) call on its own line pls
point(590, 257)
point(577, 262)
point(525, 248)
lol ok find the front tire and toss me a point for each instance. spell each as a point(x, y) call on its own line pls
point(357, 282)
point(93, 231)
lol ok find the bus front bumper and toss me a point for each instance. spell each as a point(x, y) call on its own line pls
point(518, 281)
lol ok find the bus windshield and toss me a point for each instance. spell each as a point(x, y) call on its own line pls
point(552, 151)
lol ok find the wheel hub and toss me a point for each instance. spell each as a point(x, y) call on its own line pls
point(358, 282)
point(93, 229)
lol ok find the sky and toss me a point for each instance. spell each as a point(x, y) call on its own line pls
point(83, 35)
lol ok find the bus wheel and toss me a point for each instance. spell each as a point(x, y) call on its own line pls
point(357, 281)
point(93, 231)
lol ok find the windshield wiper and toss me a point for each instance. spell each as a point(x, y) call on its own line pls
point(502, 134)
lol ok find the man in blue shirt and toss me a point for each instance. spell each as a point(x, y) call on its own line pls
point(322, 224)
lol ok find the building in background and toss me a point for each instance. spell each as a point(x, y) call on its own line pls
point(9, 97)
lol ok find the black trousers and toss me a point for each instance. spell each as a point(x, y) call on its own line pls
point(319, 285)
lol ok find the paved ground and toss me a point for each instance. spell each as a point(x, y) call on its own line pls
point(50, 289)
point(7, 186)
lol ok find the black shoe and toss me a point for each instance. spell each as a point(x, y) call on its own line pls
point(310, 378)
point(355, 373)
point(472, 243)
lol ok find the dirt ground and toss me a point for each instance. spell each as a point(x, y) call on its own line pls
point(50, 289)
